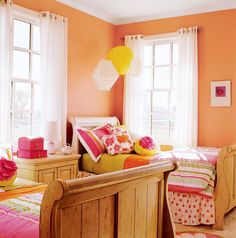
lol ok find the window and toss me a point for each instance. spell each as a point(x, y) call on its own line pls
point(160, 70)
point(25, 77)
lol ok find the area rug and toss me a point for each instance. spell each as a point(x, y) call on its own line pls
point(195, 235)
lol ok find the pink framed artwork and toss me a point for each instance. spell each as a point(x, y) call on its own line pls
point(221, 93)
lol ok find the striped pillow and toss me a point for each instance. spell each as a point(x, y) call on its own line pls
point(90, 139)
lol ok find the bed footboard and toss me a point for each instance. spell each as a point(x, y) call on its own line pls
point(225, 191)
point(129, 203)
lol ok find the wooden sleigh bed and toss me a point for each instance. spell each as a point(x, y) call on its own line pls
point(122, 204)
point(225, 187)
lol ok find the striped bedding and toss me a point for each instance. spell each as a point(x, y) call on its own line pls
point(20, 209)
point(195, 167)
point(19, 217)
point(196, 170)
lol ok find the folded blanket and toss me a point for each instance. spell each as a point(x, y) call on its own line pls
point(192, 177)
point(195, 171)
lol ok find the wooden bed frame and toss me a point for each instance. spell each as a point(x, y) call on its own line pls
point(123, 204)
point(225, 190)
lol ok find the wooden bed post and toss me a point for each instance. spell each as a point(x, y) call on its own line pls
point(54, 192)
point(222, 190)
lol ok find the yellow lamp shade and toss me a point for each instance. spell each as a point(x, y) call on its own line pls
point(121, 57)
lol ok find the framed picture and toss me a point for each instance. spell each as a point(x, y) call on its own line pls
point(221, 93)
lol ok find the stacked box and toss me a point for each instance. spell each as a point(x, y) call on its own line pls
point(31, 148)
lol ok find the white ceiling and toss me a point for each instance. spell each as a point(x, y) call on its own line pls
point(128, 11)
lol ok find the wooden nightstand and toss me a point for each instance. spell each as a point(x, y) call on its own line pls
point(45, 170)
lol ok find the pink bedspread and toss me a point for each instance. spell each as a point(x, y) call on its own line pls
point(19, 217)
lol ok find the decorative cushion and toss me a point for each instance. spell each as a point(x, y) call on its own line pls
point(8, 171)
point(146, 146)
point(118, 144)
point(90, 139)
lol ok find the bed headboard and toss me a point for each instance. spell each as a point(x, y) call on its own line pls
point(88, 123)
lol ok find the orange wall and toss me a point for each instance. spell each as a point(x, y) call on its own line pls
point(89, 40)
point(217, 61)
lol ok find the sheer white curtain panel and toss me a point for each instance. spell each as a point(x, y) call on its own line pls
point(54, 30)
point(5, 45)
point(186, 120)
point(134, 89)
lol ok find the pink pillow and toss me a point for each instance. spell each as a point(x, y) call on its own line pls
point(90, 139)
point(118, 144)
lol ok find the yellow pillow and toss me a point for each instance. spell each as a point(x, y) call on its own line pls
point(146, 146)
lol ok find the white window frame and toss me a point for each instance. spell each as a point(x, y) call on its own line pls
point(169, 38)
point(31, 17)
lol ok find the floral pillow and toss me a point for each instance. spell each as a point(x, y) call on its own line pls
point(118, 143)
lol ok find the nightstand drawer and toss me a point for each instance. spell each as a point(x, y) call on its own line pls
point(66, 172)
point(47, 175)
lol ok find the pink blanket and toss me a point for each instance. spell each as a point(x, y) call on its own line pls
point(19, 217)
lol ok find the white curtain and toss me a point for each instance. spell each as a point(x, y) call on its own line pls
point(134, 89)
point(186, 121)
point(54, 71)
point(5, 44)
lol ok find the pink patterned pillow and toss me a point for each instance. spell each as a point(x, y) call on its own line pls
point(90, 139)
point(118, 144)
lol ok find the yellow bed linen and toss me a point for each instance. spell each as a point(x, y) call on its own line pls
point(110, 163)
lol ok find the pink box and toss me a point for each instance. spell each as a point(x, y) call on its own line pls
point(31, 154)
point(25, 143)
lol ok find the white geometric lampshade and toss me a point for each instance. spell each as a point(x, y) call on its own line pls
point(105, 75)
point(135, 67)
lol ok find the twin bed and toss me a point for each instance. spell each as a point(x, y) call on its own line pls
point(213, 208)
point(125, 203)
